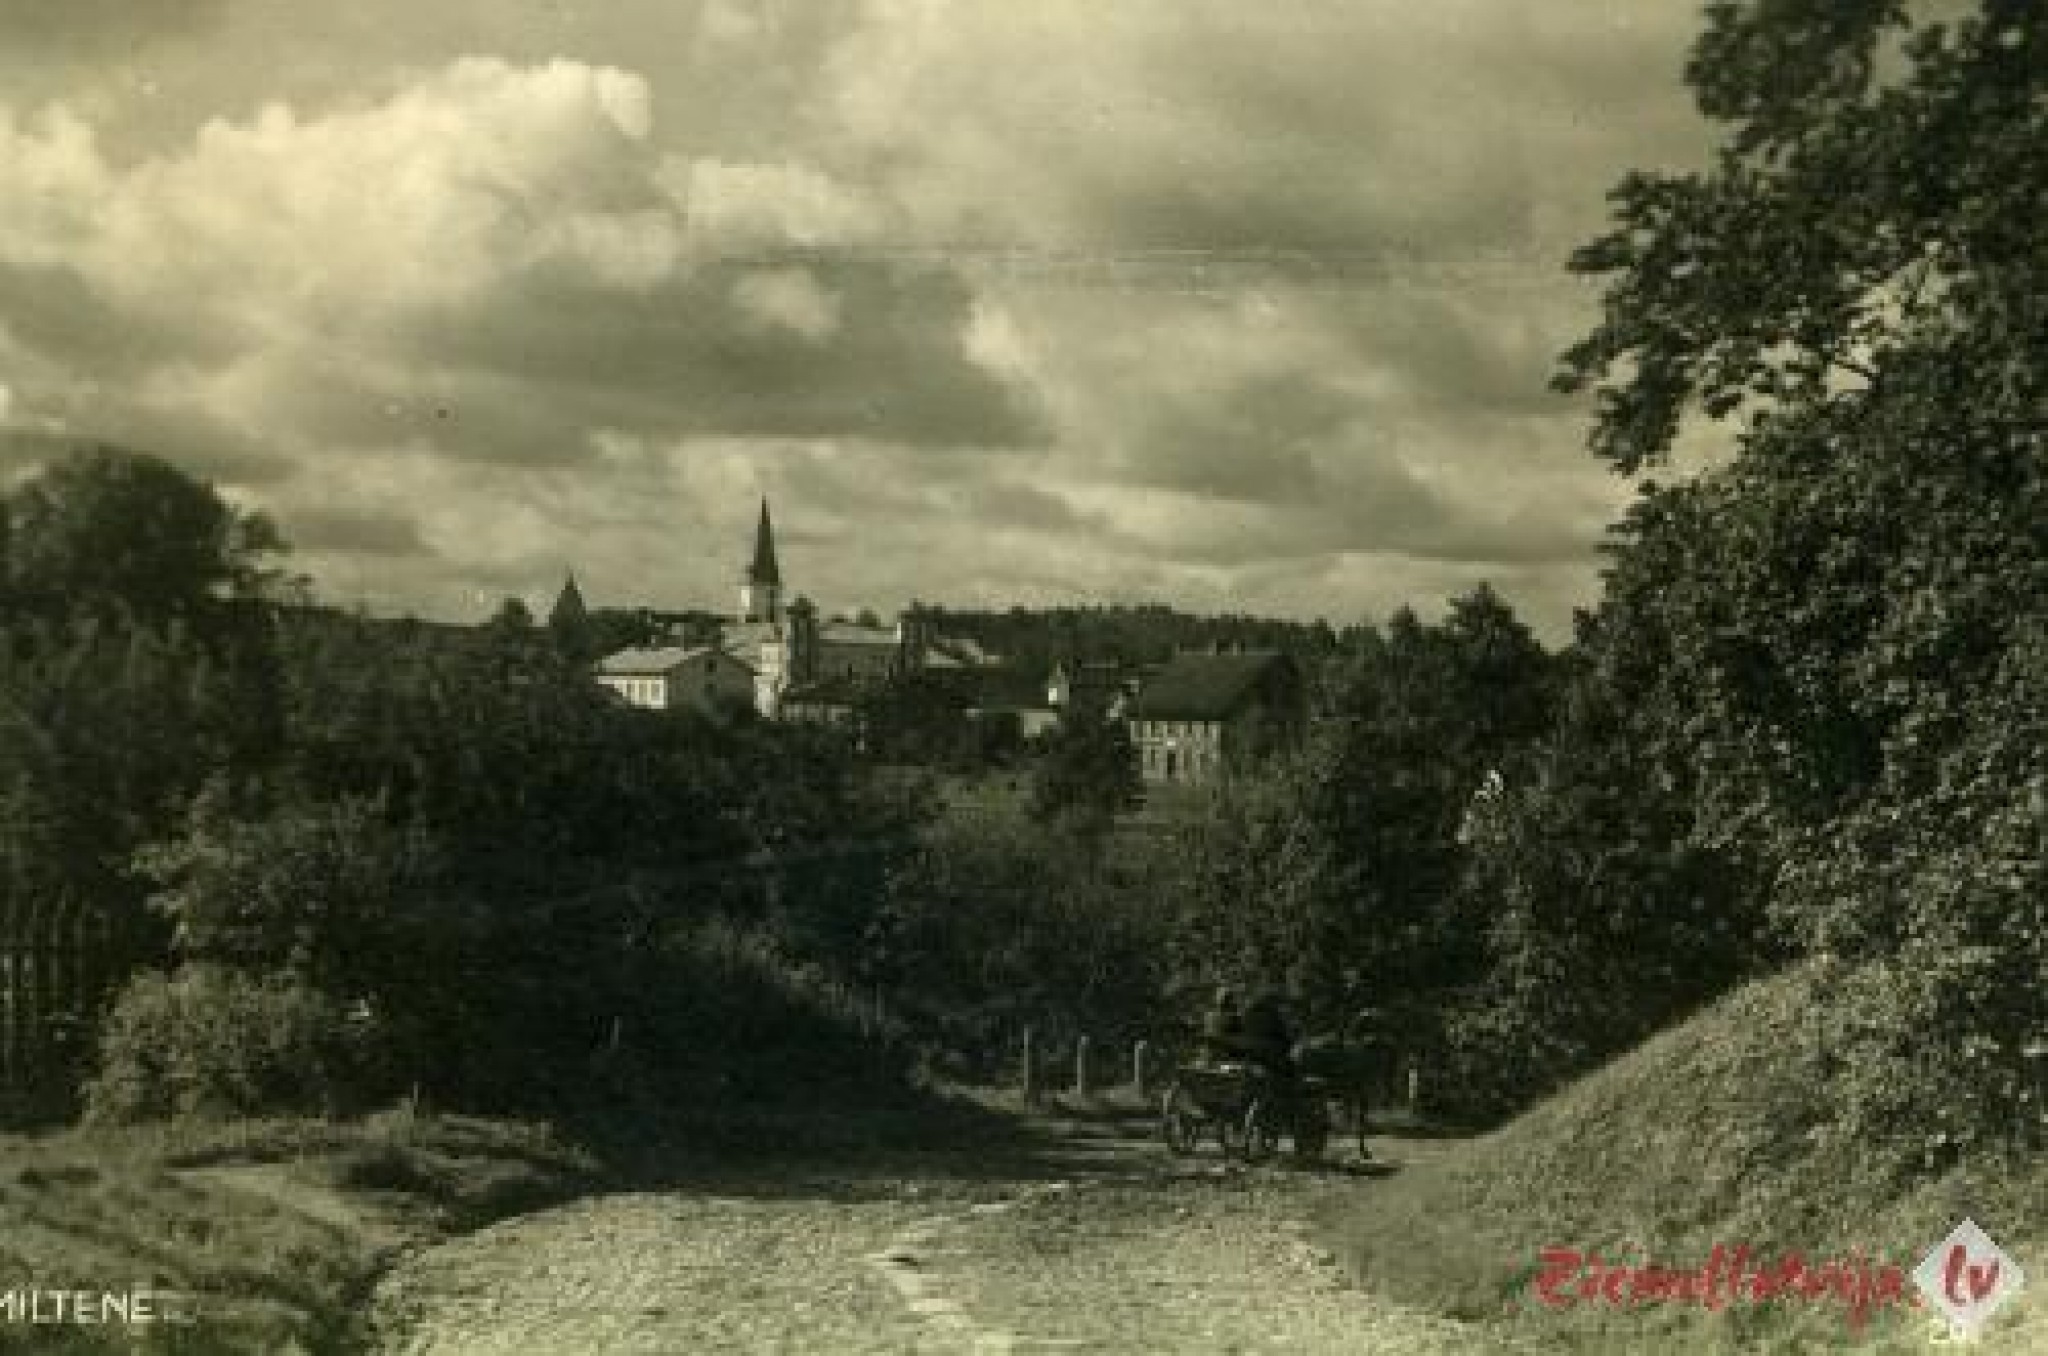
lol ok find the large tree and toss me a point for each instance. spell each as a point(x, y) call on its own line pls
point(127, 673)
point(1872, 221)
point(1336, 870)
point(1832, 641)
point(104, 529)
point(1859, 281)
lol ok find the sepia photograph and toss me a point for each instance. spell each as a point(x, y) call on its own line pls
point(870, 677)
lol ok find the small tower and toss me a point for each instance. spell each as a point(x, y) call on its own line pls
point(913, 637)
point(568, 609)
point(569, 622)
point(761, 591)
point(803, 641)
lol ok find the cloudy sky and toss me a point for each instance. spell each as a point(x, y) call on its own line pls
point(1232, 305)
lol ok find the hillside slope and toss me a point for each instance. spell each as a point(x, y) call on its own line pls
point(1718, 1131)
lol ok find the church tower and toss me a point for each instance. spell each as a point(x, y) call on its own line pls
point(761, 592)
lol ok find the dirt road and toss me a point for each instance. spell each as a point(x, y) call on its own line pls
point(1093, 1240)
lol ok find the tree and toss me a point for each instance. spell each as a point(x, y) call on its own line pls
point(312, 888)
point(1853, 277)
point(1827, 642)
point(569, 622)
point(1338, 869)
point(1855, 227)
point(995, 923)
point(513, 617)
point(107, 529)
point(918, 718)
point(1087, 773)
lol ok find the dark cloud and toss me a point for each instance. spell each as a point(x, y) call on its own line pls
point(357, 532)
point(100, 28)
point(188, 438)
point(687, 357)
point(53, 310)
point(1256, 438)
point(1010, 505)
point(215, 461)
point(1484, 341)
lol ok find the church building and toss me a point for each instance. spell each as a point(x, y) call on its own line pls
point(791, 652)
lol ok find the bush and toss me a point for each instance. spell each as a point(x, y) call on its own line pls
point(1002, 922)
point(744, 1016)
point(212, 1042)
point(1928, 1053)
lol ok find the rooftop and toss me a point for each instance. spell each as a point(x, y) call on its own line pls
point(831, 690)
point(656, 660)
point(1204, 686)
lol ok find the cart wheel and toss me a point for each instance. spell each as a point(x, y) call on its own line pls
point(1230, 1133)
point(1311, 1135)
point(1358, 1126)
point(1179, 1120)
point(1259, 1139)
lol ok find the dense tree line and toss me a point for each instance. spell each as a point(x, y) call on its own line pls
point(441, 852)
point(1035, 639)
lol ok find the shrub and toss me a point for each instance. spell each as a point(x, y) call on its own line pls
point(1002, 922)
point(212, 1042)
point(741, 1016)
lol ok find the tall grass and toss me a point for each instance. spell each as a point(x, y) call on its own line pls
point(274, 1229)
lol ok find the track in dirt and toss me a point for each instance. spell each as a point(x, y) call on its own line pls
point(1088, 1237)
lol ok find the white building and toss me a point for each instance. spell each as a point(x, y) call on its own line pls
point(671, 678)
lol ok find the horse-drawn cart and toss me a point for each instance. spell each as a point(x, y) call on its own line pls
point(1248, 1112)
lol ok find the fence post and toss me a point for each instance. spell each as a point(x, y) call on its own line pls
point(1030, 1069)
point(1414, 1084)
point(1140, 1053)
point(1081, 1067)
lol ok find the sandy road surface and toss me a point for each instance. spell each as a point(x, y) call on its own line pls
point(1095, 1242)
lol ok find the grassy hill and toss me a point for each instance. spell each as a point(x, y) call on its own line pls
point(1718, 1131)
point(272, 1231)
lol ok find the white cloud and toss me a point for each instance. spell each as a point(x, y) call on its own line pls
point(738, 210)
point(791, 298)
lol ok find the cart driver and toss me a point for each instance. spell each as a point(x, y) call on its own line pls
point(1223, 1035)
point(1268, 1042)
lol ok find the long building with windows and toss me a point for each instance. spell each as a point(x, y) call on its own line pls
point(1202, 714)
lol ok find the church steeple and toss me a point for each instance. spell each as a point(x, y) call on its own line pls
point(763, 570)
point(761, 594)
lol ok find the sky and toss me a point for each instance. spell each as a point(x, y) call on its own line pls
point(1235, 306)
